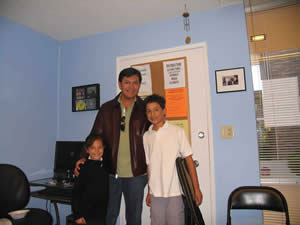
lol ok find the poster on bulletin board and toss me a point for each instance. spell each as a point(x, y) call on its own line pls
point(146, 85)
point(176, 103)
point(174, 74)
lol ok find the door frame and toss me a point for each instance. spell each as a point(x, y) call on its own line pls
point(201, 46)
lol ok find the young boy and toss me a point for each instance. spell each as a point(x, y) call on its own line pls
point(90, 193)
point(163, 143)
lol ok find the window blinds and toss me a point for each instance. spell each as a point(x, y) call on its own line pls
point(277, 102)
point(278, 118)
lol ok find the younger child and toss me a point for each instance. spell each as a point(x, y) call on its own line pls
point(163, 143)
point(90, 193)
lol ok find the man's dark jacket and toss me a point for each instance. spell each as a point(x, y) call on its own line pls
point(107, 124)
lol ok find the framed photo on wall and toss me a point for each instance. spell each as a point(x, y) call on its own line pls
point(86, 97)
point(230, 80)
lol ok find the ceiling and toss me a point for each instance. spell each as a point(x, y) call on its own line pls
point(69, 19)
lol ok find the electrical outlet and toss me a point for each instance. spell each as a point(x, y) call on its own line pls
point(227, 132)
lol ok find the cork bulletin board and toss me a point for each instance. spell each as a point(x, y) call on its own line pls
point(177, 99)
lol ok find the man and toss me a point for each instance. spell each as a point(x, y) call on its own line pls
point(122, 122)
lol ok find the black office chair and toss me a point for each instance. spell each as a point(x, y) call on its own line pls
point(257, 197)
point(15, 195)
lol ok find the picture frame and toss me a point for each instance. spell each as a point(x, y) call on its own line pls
point(230, 80)
point(86, 98)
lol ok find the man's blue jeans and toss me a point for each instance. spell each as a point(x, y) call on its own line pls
point(133, 190)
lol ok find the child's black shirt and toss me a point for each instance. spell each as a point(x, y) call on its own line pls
point(90, 192)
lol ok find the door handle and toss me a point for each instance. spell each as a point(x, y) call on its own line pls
point(201, 134)
point(196, 163)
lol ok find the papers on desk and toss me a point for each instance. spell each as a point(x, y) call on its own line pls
point(52, 182)
point(63, 183)
point(67, 185)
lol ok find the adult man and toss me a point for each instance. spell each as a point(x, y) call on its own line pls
point(122, 122)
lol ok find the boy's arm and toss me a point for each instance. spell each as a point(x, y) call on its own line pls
point(148, 200)
point(193, 173)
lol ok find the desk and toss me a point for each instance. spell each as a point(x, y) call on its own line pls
point(54, 199)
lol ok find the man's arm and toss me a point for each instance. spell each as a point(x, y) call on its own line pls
point(193, 173)
point(77, 167)
point(97, 129)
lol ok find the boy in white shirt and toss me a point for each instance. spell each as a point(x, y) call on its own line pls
point(163, 143)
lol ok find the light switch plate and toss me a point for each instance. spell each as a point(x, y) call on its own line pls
point(227, 132)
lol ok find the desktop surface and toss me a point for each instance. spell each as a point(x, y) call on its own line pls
point(52, 183)
point(56, 192)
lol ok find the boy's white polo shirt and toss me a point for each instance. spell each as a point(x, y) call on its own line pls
point(162, 147)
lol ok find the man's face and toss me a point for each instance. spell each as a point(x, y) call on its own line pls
point(130, 86)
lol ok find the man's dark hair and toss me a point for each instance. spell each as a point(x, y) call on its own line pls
point(128, 72)
point(157, 99)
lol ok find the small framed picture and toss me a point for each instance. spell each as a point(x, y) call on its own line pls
point(230, 80)
point(85, 98)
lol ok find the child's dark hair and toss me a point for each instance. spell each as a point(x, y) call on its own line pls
point(90, 140)
point(157, 99)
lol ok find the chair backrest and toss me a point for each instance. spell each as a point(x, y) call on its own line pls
point(257, 197)
point(14, 189)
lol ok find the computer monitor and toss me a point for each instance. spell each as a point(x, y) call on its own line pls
point(66, 155)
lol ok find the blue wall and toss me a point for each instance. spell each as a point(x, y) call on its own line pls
point(28, 98)
point(93, 60)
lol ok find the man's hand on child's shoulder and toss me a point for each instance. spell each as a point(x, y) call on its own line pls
point(77, 168)
point(80, 221)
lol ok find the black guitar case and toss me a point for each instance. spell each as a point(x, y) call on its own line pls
point(192, 212)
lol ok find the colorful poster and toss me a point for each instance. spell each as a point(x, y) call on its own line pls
point(176, 103)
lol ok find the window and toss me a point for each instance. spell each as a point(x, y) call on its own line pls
point(276, 78)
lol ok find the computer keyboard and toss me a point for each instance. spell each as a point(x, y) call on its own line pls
point(60, 192)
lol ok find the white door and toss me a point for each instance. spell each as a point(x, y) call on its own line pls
point(200, 119)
